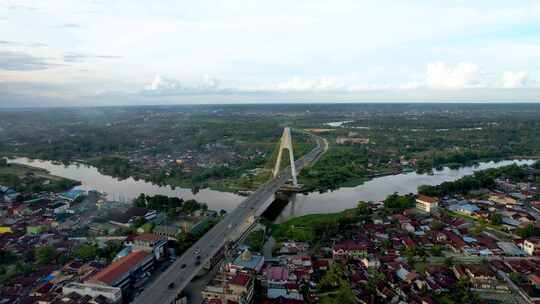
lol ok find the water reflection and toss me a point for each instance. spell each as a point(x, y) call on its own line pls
point(127, 189)
point(378, 189)
point(338, 200)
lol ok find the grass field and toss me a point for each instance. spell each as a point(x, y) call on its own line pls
point(303, 228)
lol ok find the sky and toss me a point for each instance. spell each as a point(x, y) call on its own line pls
point(115, 52)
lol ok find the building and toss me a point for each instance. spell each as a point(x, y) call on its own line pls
point(59, 208)
point(125, 270)
point(502, 199)
point(8, 195)
point(247, 262)
point(352, 140)
point(113, 294)
point(5, 229)
point(349, 249)
point(72, 195)
point(168, 231)
point(426, 203)
point(150, 243)
point(467, 209)
point(238, 289)
point(241, 287)
point(127, 218)
point(531, 246)
point(480, 276)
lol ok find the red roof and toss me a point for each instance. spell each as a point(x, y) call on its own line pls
point(350, 245)
point(111, 273)
point(427, 199)
point(240, 279)
point(456, 240)
point(148, 237)
point(277, 273)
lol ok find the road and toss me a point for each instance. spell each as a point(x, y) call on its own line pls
point(172, 281)
point(476, 259)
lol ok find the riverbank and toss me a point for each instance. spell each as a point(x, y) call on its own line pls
point(27, 178)
point(300, 204)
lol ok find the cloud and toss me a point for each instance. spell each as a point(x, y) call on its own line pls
point(69, 25)
point(23, 44)
point(13, 61)
point(79, 57)
point(442, 75)
point(298, 84)
point(161, 85)
point(512, 80)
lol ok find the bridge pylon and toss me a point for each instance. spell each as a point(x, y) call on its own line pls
point(286, 143)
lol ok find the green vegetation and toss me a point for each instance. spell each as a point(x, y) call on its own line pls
point(112, 165)
point(315, 226)
point(341, 167)
point(45, 255)
point(255, 240)
point(88, 252)
point(398, 203)
point(528, 231)
point(336, 287)
point(27, 180)
point(173, 206)
point(219, 146)
point(308, 227)
point(480, 179)
point(460, 292)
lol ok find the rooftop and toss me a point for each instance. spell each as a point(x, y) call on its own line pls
point(116, 269)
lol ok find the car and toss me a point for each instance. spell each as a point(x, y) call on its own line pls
point(198, 257)
point(198, 263)
point(197, 251)
point(183, 266)
point(171, 285)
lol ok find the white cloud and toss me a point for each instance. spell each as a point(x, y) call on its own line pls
point(171, 86)
point(463, 75)
point(512, 80)
point(297, 84)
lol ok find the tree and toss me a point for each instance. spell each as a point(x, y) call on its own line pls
point(109, 251)
point(345, 295)
point(86, 252)
point(140, 201)
point(496, 219)
point(398, 203)
point(332, 278)
point(3, 162)
point(45, 255)
point(436, 225)
point(255, 240)
point(528, 231)
point(362, 210)
point(436, 250)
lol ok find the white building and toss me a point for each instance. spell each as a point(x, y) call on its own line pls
point(531, 246)
point(114, 294)
point(426, 203)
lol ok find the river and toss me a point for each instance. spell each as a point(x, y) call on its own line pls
point(333, 201)
point(378, 189)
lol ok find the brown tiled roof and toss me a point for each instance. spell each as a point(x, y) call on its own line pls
point(148, 237)
point(428, 199)
point(240, 279)
point(119, 267)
